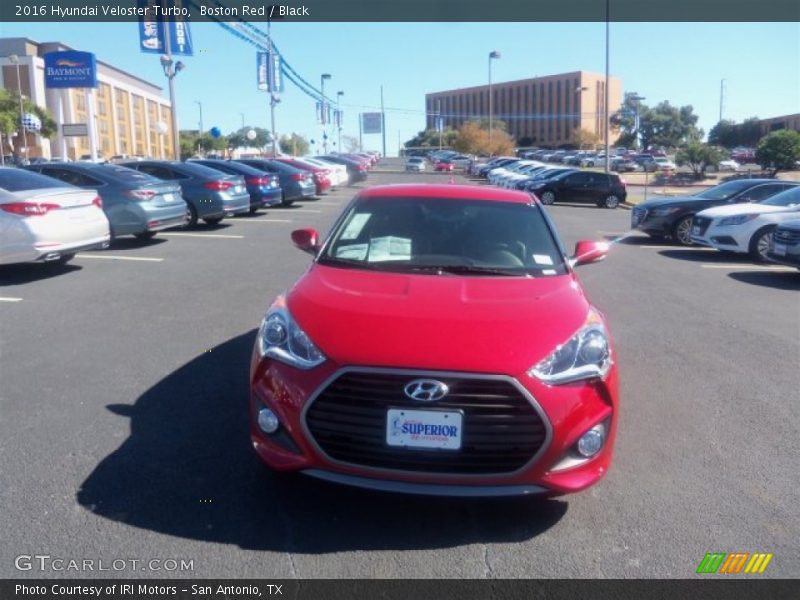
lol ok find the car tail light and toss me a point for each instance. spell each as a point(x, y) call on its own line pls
point(624, 183)
point(258, 180)
point(141, 194)
point(362, 168)
point(29, 209)
point(98, 202)
point(297, 176)
point(218, 186)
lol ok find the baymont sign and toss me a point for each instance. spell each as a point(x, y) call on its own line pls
point(70, 69)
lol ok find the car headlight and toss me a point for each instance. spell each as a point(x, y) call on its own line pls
point(586, 355)
point(281, 338)
point(663, 212)
point(737, 220)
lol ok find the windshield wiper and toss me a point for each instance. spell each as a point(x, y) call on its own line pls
point(469, 270)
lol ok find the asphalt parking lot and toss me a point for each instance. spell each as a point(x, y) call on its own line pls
point(123, 429)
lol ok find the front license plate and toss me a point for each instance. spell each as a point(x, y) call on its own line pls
point(424, 428)
point(779, 249)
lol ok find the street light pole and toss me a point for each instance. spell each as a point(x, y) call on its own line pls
point(339, 118)
point(171, 69)
point(605, 101)
point(324, 112)
point(721, 93)
point(636, 98)
point(272, 102)
point(242, 115)
point(492, 54)
point(200, 105)
point(15, 61)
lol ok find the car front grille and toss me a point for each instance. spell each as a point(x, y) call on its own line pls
point(786, 236)
point(502, 431)
point(702, 223)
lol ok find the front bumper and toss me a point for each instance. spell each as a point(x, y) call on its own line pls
point(568, 412)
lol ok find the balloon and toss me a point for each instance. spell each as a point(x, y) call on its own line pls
point(251, 134)
point(31, 122)
point(215, 132)
point(161, 127)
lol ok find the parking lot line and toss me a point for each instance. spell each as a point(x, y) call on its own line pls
point(116, 257)
point(703, 248)
point(9, 299)
point(203, 235)
point(304, 210)
point(265, 221)
point(751, 267)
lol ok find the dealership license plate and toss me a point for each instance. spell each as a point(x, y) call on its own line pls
point(424, 428)
point(779, 249)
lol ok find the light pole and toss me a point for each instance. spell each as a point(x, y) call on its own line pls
point(494, 54)
point(323, 112)
point(578, 91)
point(171, 69)
point(721, 96)
point(339, 119)
point(199, 137)
point(636, 98)
point(14, 59)
point(605, 100)
point(242, 115)
point(273, 100)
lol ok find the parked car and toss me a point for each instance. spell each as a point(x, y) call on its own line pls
point(460, 161)
point(647, 162)
point(514, 390)
point(445, 164)
point(295, 183)
point(785, 244)
point(527, 184)
point(415, 164)
point(321, 175)
point(209, 194)
point(604, 189)
point(746, 228)
point(264, 188)
point(45, 220)
point(499, 161)
point(672, 217)
point(337, 173)
point(664, 164)
point(356, 171)
point(622, 165)
point(729, 165)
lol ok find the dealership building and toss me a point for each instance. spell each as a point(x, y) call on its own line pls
point(131, 116)
point(546, 110)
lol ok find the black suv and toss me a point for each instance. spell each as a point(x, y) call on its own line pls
point(603, 189)
point(672, 217)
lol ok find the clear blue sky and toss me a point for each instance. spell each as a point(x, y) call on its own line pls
point(679, 62)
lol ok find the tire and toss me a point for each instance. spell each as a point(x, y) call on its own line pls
point(145, 235)
point(547, 197)
point(254, 209)
point(214, 221)
point(611, 201)
point(191, 216)
point(681, 232)
point(64, 259)
point(759, 244)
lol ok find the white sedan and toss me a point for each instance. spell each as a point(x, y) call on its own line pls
point(45, 220)
point(746, 228)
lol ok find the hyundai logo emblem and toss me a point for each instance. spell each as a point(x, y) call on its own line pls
point(426, 390)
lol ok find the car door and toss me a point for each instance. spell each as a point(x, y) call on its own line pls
point(596, 188)
point(574, 188)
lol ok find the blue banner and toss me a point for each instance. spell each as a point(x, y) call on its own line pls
point(70, 69)
point(151, 29)
point(261, 70)
point(274, 75)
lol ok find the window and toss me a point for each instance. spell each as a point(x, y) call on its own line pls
point(578, 179)
point(158, 172)
point(72, 177)
point(15, 180)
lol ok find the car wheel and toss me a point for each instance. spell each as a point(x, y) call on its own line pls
point(214, 221)
point(759, 244)
point(254, 209)
point(548, 197)
point(64, 259)
point(682, 231)
point(284, 201)
point(145, 235)
point(611, 201)
point(191, 216)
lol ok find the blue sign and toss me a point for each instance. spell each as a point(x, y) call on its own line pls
point(261, 70)
point(439, 124)
point(70, 69)
point(152, 26)
point(269, 76)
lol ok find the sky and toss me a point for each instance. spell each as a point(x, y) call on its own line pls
point(679, 62)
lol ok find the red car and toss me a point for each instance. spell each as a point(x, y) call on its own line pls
point(321, 176)
point(440, 343)
point(444, 165)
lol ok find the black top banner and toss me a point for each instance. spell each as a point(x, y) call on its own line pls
point(405, 10)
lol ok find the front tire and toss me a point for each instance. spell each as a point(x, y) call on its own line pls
point(759, 244)
point(548, 197)
point(191, 216)
point(145, 235)
point(681, 233)
point(214, 221)
point(611, 201)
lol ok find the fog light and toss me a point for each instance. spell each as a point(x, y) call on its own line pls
point(267, 421)
point(590, 442)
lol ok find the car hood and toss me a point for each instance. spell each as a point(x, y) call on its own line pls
point(730, 210)
point(445, 322)
point(672, 201)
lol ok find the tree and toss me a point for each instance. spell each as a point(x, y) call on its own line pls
point(10, 121)
point(624, 120)
point(473, 138)
point(668, 126)
point(192, 143)
point(779, 151)
point(585, 139)
point(350, 143)
point(239, 139)
point(429, 138)
point(725, 133)
point(750, 132)
point(294, 144)
point(699, 157)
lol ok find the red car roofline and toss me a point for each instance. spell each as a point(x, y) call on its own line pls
point(446, 191)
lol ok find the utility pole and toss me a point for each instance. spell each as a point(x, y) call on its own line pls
point(360, 139)
point(492, 54)
point(605, 102)
point(383, 124)
point(721, 96)
point(439, 122)
point(273, 100)
point(171, 69)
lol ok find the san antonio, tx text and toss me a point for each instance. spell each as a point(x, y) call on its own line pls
point(147, 590)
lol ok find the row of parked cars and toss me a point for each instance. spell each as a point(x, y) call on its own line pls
point(622, 160)
point(49, 211)
point(438, 160)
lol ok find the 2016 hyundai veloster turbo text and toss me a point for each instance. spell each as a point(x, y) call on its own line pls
point(440, 343)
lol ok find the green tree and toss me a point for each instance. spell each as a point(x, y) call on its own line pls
point(668, 126)
point(779, 151)
point(750, 132)
point(10, 120)
point(294, 144)
point(698, 157)
point(725, 133)
point(193, 144)
point(624, 120)
point(429, 138)
point(585, 139)
point(239, 139)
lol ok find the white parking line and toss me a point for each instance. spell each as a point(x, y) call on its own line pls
point(303, 210)
point(703, 248)
point(265, 221)
point(751, 267)
point(204, 235)
point(115, 257)
point(8, 299)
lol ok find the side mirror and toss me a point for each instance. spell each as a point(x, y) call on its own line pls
point(306, 239)
point(588, 251)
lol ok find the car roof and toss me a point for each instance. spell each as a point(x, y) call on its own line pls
point(445, 191)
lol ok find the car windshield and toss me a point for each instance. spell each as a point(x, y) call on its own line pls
point(790, 197)
point(124, 174)
point(725, 190)
point(445, 236)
